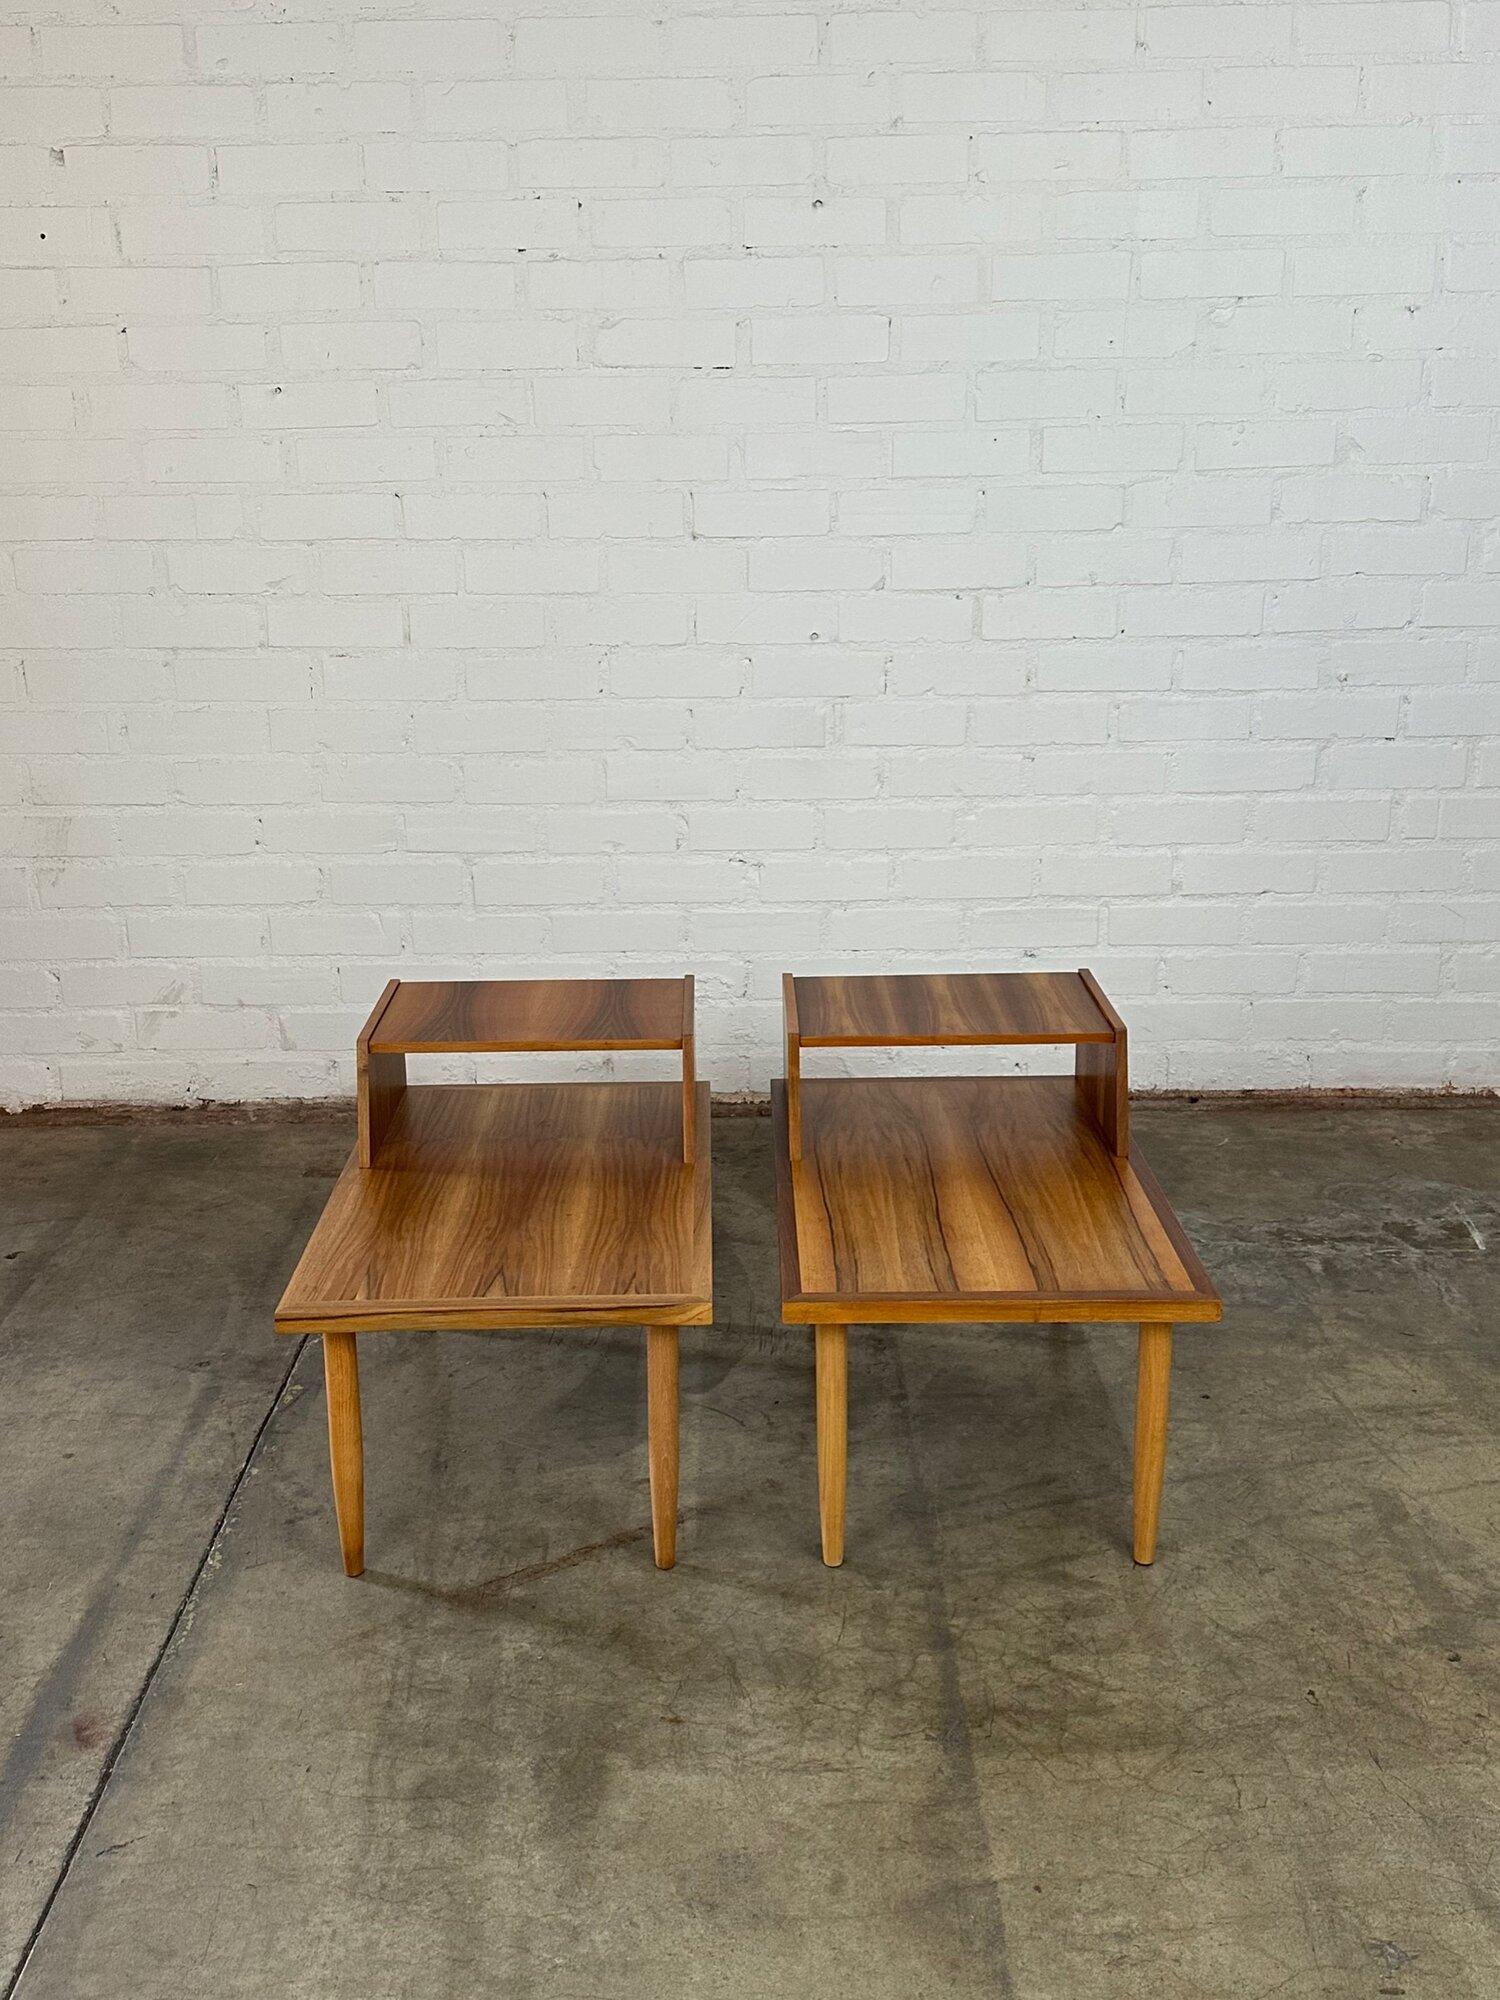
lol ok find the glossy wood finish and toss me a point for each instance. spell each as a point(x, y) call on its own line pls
point(1153, 1384)
point(689, 1075)
point(972, 1198)
point(831, 1366)
point(964, 1010)
point(956, 1009)
point(479, 1016)
point(494, 1206)
point(346, 1449)
point(496, 1016)
point(1102, 1076)
point(792, 1031)
point(380, 1080)
point(661, 1439)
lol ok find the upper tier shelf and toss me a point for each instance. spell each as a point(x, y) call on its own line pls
point(965, 1010)
point(537, 1016)
point(954, 1009)
point(486, 1016)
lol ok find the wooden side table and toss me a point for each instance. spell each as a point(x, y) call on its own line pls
point(973, 1198)
point(502, 1206)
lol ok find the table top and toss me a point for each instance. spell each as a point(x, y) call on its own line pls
point(515, 1205)
point(972, 1198)
point(472, 1016)
point(953, 1009)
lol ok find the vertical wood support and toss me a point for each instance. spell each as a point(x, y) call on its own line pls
point(1101, 1072)
point(689, 1076)
point(1153, 1384)
point(793, 1067)
point(832, 1368)
point(346, 1451)
point(380, 1083)
point(661, 1439)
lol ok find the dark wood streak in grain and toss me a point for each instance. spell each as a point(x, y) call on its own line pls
point(905, 1196)
point(1040, 1264)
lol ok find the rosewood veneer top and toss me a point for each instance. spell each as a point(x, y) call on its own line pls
point(948, 1009)
point(475, 1016)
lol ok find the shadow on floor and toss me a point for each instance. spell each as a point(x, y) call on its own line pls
point(987, 1757)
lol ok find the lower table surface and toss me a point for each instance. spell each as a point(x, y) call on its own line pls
point(972, 1198)
point(492, 1206)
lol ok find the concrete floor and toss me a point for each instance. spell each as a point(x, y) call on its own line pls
point(987, 1757)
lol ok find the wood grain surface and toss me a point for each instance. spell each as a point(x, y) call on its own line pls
point(792, 1043)
point(689, 1074)
point(972, 1198)
point(954, 1009)
point(509, 1205)
point(1103, 1075)
point(379, 1082)
point(476, 1016)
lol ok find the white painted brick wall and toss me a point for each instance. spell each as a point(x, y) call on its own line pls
point(591, 488)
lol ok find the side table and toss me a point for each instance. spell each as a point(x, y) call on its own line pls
point(495, 1207)
point(1017, 1198)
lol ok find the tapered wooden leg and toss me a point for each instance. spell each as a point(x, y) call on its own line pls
point(346, 1449)
point(1153, 1381)
point(833, 1437)
point(661, 1439)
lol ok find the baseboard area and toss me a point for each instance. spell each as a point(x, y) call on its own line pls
point(729, 1104)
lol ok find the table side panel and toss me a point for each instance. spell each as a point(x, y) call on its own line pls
point(379, 1081)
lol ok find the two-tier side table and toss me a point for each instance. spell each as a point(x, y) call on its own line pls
point(990, 1198)
point(495, 1207)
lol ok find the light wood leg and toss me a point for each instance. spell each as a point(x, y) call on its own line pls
point(346, 1450)
point(661, 1439)
point(832, 1366)
point(1153, 1382)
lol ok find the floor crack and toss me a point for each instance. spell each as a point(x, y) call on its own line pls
point(128, 1722)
